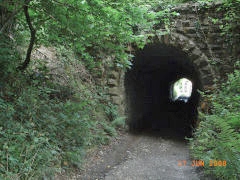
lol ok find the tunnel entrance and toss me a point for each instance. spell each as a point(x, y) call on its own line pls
point(147, 86)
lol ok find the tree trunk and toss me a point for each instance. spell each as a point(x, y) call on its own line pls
point(25, 64)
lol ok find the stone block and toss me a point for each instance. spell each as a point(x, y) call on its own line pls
point(215, 46)
point(207, 80)
point(178, 24)
point(195, 54)
point(188, 48)
point(114, 91)
point(114, 74)
point(112, 82)
point(166, 39)
point(189, 30)
point(205, 72)
point(186, 23)
point(116, 100)
point(206, 21)
point(201, 62)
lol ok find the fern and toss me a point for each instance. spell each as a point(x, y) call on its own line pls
point(217, 137)
point(118, 122)
point(217, 140)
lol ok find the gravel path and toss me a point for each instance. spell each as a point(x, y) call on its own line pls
point(143, 156)
point(154, 158)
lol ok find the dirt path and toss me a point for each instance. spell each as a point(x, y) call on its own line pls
point(145, 156)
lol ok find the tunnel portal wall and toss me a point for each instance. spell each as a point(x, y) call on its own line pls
point(169, 44)
point(195, 35)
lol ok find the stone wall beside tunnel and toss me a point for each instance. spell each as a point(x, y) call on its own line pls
point(196, 22)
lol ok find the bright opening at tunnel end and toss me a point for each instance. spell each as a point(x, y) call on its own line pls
point(181, 90)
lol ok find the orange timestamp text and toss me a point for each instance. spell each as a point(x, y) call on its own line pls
point(201, 163)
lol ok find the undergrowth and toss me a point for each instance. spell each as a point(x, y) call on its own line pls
point(218, 135)
point(47, 125)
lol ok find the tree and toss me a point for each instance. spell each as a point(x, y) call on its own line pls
point(85, 26)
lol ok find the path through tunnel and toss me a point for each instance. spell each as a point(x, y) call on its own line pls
point(147, 86)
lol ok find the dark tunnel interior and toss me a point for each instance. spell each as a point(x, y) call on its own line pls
point(147, 86)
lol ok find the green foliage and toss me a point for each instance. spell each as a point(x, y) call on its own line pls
point(112, 114)
point(111, 111)
point(25, 152)
point(41, 128)
point(186, 1)
point(216, 140)
point(46, 124)
point(231, 19)
point(217, 137)
point(40, 133)
point(9, 57)
point(119, 122)
point(90, 27)
point(226, 101)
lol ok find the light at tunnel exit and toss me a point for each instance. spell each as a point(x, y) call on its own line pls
point(181, 90)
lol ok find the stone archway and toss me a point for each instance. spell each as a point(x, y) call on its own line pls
point(198, 58)
point(147, 84)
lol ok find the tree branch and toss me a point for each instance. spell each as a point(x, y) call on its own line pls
point(24, 65)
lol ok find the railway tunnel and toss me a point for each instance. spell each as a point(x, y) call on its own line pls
point(147, 85)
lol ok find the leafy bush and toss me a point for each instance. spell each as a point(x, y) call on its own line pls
point(119, 122)
point(39, 135)
point(217, 137)
point(226, 101)
point(230, 28)
point(9, 58)
point(217, 140)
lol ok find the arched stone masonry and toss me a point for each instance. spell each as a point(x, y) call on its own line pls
point(150, 110)
point(115, 81)
point(194, 34)
point(198, 58)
